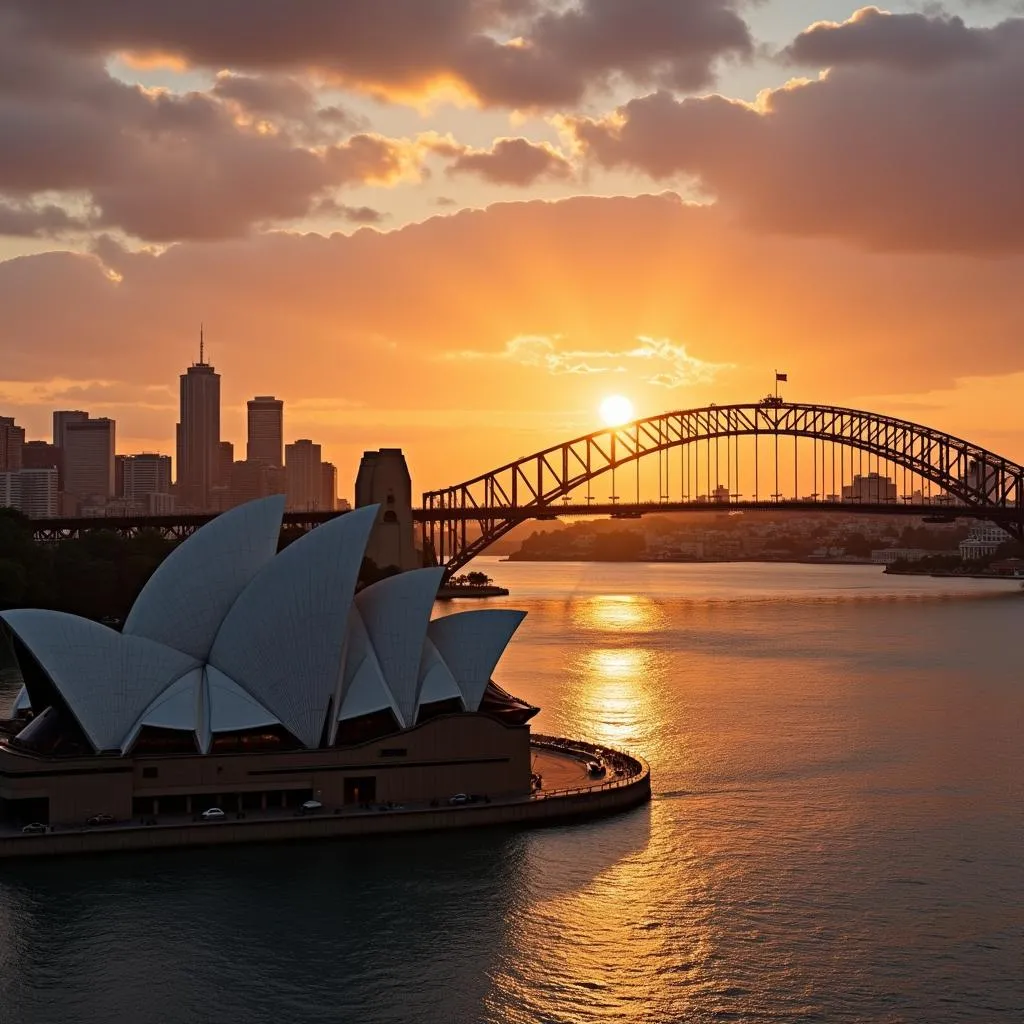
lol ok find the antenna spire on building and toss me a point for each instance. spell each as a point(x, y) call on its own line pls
point(201, 344)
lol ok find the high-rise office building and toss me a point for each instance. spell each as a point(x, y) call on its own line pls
point(198, 433)
point(328, 486)
point(88, 450)
point(251, 480)
point(42, 455)
point(61, 418)
point(304, 475)
point(33, 492)
point(265, 422)
point(225, 460)
point(12, 440)
point(145, 474)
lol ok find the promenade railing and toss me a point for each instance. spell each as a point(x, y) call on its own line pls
point(630, 768)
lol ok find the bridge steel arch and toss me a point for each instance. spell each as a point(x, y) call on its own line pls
point(499, 500)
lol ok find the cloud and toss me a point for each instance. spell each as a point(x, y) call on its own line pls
point(519, 53)
point(35, 220)
point(62, 392)
point(657, 361)
point(368, 316)
point(912, 42)
point(164, 166)
point(512, 162)
point(681, 369)
point(282, 98)
point(330, 207)
point(889, 160)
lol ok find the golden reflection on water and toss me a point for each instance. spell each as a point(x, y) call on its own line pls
point(612, 691)
point(596, 937)
point(615, 612)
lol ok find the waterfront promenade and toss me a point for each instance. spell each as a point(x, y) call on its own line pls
point(566, 793)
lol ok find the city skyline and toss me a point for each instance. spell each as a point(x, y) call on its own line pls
point(464, 264)
point(90, 476)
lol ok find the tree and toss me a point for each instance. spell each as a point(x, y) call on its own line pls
point(13, 583)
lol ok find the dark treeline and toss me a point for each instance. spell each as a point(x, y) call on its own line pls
point(97, 575)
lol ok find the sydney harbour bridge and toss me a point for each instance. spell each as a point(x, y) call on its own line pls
point(770, 455)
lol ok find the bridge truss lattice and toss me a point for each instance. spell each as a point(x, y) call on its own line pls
point(736, 448)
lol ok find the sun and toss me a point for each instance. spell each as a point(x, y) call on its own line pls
point(616, 410)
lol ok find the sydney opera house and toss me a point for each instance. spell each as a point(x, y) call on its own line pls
point(255, 681)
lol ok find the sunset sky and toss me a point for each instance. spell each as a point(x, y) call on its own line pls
point(455, 226)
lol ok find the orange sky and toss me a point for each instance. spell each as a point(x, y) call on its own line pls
point(650, 225)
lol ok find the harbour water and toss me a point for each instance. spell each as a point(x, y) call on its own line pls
point(836, 835)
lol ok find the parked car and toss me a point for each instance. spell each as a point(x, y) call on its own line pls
point(100, 819)
point(311, 807)
point(212, 812)
point(35, 827)
point(458, 799)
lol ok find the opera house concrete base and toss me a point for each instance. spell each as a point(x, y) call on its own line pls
point(626, 785)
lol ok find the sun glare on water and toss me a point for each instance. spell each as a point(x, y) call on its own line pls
point(616, 410)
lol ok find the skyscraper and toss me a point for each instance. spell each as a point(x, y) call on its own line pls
point(32, 491)
point(329, 486)
point(198, 433)
point(146, 474)
point(61, 418)
point(266, 430)
point(88, 447)
point(40, 498)
point(12, 440)
point(225, 460)
point(304, 475)
point(41, 455)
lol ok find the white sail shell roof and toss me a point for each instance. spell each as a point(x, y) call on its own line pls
point(471, 644)
point(22, 702)
point(103, 676)
point(204, 702)
point(283, 640)
point(436, 680)
point(177, 707)
point(396, 612)
point(229, 637)
point(363, 687)
point(185, 601)
point(230, 708)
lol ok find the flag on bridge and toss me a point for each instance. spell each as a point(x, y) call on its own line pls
point(781, 377)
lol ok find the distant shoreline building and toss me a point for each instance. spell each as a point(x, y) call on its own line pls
point(982, 541)
point(873, 489)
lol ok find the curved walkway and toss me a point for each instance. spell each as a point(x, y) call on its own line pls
point(566, 793)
